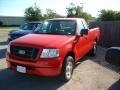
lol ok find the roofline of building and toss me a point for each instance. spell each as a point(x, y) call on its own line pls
point(13, 16)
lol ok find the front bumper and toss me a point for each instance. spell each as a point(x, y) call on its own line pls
point(39, 67)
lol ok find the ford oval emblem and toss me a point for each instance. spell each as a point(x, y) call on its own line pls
point(21, 52)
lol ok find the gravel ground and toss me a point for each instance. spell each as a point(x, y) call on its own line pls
point(91, 73)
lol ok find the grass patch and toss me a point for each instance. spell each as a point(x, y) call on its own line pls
point(3, 43)
point(4, 31)
point(7, 28)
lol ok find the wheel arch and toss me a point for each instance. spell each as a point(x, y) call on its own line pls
point(97, 39)
point(70, 53)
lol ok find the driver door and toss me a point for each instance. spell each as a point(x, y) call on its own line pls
point(81, 44)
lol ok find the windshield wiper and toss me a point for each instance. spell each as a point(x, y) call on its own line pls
point(55, 33)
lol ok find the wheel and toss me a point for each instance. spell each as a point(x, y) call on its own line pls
point(67, 69)
point(94, 49)
point(112, 56)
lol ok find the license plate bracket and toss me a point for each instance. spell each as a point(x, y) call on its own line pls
point(21, 69)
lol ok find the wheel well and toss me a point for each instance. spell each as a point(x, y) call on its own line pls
point(96, 39)
point(71, 54)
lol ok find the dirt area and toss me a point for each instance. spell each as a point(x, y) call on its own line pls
point(91, 73)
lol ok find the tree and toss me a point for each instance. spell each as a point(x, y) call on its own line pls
point(1, 23)
point(109, 15)
point(51, 14)
point(106, 15)
point(33, 14)
point(117, 16)
point(76, 11)
point(71, 10)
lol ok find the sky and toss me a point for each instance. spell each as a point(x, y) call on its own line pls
point(17, 7)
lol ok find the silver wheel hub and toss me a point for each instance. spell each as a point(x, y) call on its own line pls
point(95, 48)
point(69, 68)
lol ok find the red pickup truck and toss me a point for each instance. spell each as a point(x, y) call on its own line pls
point(53, 48)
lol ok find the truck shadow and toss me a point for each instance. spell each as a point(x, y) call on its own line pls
point(81, 61)
point(100, 59)
point(115, 86)
point(16, 81)
point(2, 53)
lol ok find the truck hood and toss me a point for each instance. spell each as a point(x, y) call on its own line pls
point(43, 40)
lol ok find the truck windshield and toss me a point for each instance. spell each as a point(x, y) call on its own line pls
point(29, 26)
point(62, 27)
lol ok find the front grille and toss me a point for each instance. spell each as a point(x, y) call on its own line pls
point(25, 52)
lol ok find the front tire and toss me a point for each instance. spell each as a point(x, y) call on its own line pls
point(67, 69)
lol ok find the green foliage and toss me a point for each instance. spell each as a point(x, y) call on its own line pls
point(117, 15)
point(71, 10)
point(51, 14)
point(76, 11)
point(33, 14)
point(109, 15)
point(1, 23)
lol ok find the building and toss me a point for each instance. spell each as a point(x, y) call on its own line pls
point(12, 20)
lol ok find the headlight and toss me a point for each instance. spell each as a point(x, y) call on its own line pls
point(8, 48)
point(49, 53)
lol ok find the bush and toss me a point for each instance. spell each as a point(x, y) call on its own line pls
point(1, 23)
point(109, 15)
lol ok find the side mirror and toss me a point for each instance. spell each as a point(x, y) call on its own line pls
point(84, 32)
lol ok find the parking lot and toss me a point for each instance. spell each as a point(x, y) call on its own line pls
point(91, 73)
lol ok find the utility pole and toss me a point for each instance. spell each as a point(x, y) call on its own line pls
point(35, 5)
point(82, 5)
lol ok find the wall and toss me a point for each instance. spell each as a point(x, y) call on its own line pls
point(110, 32)
point(8, 20)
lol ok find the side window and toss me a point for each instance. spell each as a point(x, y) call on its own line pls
point(80, 26)
point(85, 24)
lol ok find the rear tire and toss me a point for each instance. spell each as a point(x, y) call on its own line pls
point(67, 69)
point(94, 49)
